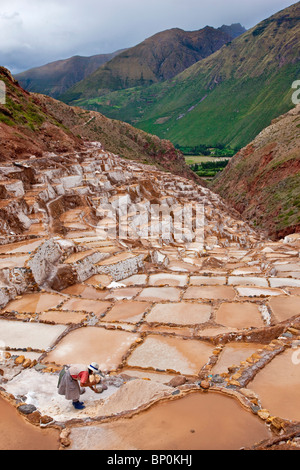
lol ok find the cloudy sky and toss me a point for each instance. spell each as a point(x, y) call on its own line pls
point(35, 32)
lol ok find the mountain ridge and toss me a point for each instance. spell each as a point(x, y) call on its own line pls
point(157, 58)
point(57, 77)
point(228, 97)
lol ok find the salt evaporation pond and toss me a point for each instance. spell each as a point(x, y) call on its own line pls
point(93, 344)
point(17, 434)
point(34, 303)
point(278, 385)
point(210, 293)
point(239, 315)
point(195, 422)
point(285, 307)
point(131, 312)
point(186, 357)
point(180, 313)
point(233, 354)
point(37, 336)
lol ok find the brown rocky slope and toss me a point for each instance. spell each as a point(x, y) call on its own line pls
point(57, 77)
point(263, 180)
point(32, 124)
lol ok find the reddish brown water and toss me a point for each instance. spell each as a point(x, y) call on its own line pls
point(196, 422)
point(93, 306)
point(180, 313)
point(233, 354)
point(166, 279)
point(17, 434)
point(285, 307)
point(62, 318)
point(131, 311)
point(210, 292)
point(86, 292)
point(79, 256)
point(239, 315)
point(13, 261)
point(278, 385)
point(156, 294)
point(34, 303)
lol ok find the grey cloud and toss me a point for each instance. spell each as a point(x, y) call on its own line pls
point(34, 32)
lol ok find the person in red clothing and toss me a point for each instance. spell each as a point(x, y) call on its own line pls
point(72, 379)
point(81, 373)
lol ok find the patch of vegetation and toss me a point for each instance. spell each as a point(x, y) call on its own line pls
point(21, 109)
point(219, 150)
point(261, 27)
point(6, 116)
point(283, 200)
point(290, 22)
point(209, 169)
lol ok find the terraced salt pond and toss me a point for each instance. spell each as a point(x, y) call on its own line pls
point(23, 335)
point(17, 434)
point(128, 312)
point(284, 307)
point(96, 307)
point(188, 423)
point(210, 292)
point(34, 303)
point(168, 279)
point(84, 291)
point(279, 385)
point(195, 338)
point(185, 357)
point(82, 345)
point(160, 293)
point(233, 354)
point(239, 315)
point(181, 313)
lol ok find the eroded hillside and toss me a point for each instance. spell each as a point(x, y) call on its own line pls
point(263, 180)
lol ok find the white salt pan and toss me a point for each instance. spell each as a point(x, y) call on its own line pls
point(21, 335)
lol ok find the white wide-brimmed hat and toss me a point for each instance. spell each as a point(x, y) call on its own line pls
point(94, 367)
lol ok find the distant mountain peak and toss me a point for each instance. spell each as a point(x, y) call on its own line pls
point(158, 58)
point(235, 29)
point(56, 77)
point(228, 97)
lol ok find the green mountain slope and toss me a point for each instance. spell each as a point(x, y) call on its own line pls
point(226, 98)
point(57, 77)
point(156, 59)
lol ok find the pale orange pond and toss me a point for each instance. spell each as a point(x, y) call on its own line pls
point(18, 434)
point(197, 421)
